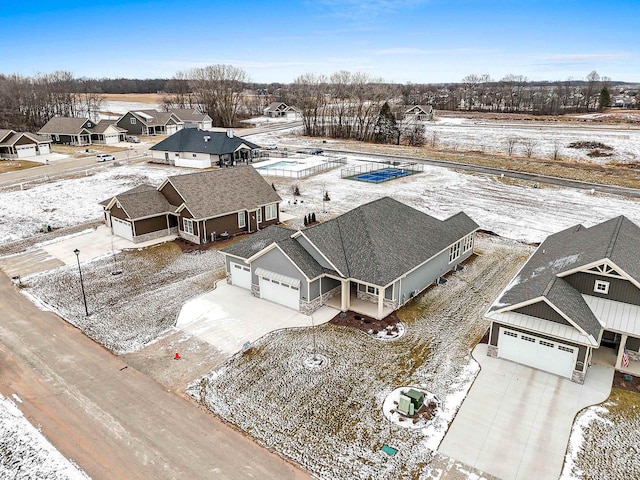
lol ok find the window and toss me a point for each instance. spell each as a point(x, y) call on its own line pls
point(259, 215)
point(187, 225)
point(565, 349)
point(467, 243)
point(271, 211)
point(194, 155)
point(510, 334)
point(57, 138)
point(528, 339)
point(372, 290)
point(242, 221)
point(547, 344)
point(454, 252)
point(132, 120)
point(601, 287)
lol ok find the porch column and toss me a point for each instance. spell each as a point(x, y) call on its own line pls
point(380, 302)
point(623, 343)
point(345, 297)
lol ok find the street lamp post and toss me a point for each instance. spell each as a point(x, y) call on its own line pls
point(84, 297)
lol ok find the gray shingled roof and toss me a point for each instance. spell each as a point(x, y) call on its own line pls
point(617, 239)
point(102, 125)
point(193, 140)
point(249, 246)
point(142, 201)
point(380, 241)
point(15, 136)
point(157, 118)
point(217, 192)
point(64, 125)
point(5, 133)
point(189, 115)
point(301, 257)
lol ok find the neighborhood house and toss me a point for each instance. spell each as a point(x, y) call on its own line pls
point(199, 207)
point(150, 122)
point(195, 148)
point(22, 144)
point(371, 260)
point(281, 110)
point(575, 301)
point(192, 118)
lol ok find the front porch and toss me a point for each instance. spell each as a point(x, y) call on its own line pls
point(348, 300)
point(613, 356)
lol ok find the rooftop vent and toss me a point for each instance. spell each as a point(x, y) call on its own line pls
point(206, 138)
point(230, 133)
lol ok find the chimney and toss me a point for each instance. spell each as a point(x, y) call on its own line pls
point(230, 133)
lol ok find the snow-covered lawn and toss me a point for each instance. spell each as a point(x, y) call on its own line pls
point(330, 419)
point(129, 310)
point(68, 202)
point(605, 440)
point(24, 452)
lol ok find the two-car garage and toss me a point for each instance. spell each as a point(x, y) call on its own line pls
point(543, 354)
point(274, 287)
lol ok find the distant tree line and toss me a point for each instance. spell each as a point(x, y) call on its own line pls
point(341, 105)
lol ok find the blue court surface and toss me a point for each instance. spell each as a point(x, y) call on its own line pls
point(384, 175)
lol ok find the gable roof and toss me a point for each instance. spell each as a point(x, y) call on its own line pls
point(65, 125)
point(617, 240)
point(153, 117)
point(5, 134)
point(193, 140)
point(189, 115)
point(13, 137)
point(227, 190)
point(102, 126)
point(249, 246)
point(382, 240)
point(142, 201)
point(425, 108)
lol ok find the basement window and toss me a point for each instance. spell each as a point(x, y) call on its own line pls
point(601, 287)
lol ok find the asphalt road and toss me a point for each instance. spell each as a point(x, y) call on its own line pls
point(467, 167)
point(113, 421)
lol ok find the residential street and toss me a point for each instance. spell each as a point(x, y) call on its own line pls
point(110, 419)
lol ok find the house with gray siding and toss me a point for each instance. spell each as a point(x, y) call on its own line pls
point(575, 302)
point(192, 118)
point(375, 257)
point(199, 207)
point(149, 122)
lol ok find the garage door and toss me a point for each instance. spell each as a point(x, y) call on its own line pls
point(44, 149)
point(240, 275)
point(111, 139)
point(24, 152)
point(279, 289)
point(536, 352)
point(122, 228)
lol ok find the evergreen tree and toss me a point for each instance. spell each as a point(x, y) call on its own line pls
point(306, 222)
point(313, 218)
point(387, 130)
point(605, 99)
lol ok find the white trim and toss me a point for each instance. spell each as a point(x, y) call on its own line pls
point(566, 317)
point(259, 215)
point(242, 219)
point(585, 268)
point(300, 233)
point(187, 221)
point(290, 281)
point(517, 305)
point(601, 283)
point(267, 208)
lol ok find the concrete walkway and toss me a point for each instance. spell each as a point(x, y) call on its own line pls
point(516, 421)
point(229, 316)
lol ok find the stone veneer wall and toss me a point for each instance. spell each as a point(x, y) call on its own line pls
point(187, 236)
point(311, 306)
point(255, 290)
point(153, 235)
point(369, 297)
point(492, 351)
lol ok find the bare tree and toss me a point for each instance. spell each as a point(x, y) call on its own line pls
point(529, 145)
point(556, 150)
point(511, 143)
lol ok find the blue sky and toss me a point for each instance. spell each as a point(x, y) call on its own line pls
point(275, 41)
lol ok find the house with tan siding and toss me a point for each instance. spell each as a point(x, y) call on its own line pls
point(22, 144)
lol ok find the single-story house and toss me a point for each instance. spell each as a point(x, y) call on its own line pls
point(576, 299)
point(192, 118)
point(281, 110)
point(22, 144)
point(372, 259)
point(149, 122)
point(68, 130)
point(419, 112)
point(107, 133)
point(200, 207)
point(195, 148)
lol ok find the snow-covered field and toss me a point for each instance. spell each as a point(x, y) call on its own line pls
point(604, 440)
point(129, 310)
point(120, 107)
point(68, 202)
point(331, 419)
point(24, 452)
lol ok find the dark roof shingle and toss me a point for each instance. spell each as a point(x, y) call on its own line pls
point(201, 141)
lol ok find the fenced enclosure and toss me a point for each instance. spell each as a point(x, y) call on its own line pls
point(296, 166)
point(379, 172)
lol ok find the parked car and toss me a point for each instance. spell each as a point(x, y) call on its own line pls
point(105, 157)
point(270, 146)
point(133, 139)
point(316, 151)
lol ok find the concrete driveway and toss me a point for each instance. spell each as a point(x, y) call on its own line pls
point(516, 421)
point(229, 316)
point(59, 251)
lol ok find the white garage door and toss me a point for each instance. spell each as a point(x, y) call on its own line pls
point(171, 129)
point(110, 139)
point(536, 352)
point(24, 152)
point(122, 228)
point(240, 275)
point(44, 149)
point(279, 289)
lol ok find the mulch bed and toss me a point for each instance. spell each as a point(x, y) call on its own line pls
point(364, 323)
point(632, 385)
point(188, 247)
